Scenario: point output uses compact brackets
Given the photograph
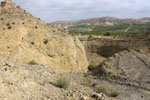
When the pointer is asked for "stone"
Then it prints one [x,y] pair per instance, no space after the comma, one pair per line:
[84,98]
[101,96]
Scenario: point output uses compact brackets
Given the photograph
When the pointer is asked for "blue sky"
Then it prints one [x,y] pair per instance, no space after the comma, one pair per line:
[56,10]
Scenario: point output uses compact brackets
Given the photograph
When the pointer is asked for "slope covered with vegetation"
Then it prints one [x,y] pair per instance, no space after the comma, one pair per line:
[121,29]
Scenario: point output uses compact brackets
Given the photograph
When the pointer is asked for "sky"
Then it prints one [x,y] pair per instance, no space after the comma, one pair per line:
[67,10]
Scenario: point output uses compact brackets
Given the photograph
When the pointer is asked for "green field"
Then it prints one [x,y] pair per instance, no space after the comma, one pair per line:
[122,29]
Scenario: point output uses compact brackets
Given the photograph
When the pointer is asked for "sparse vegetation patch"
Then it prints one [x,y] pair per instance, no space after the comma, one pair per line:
[101,89]
[62,82]
[114,94]
[91,67]
[32,62]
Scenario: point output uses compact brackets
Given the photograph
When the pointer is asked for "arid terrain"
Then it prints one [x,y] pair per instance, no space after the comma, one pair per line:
[122,62]
[41,62]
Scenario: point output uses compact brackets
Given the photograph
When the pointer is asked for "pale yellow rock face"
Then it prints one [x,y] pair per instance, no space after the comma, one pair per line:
[24,38]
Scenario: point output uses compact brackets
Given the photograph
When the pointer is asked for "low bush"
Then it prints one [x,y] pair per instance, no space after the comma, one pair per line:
[101,89]
[62,83]
[8,24]
[107,34]
[91,67]
[36,27]
[32,62]
[13,23]
[114,94]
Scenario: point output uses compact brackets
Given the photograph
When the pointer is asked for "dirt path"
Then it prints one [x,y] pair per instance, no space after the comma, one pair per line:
[128,28]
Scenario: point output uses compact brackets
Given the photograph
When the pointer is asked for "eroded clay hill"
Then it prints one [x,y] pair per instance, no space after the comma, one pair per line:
[25,38]
[100,47]
[124,61]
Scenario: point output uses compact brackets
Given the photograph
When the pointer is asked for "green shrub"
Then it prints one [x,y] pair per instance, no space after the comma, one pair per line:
[91,67]
[114,94]
[62,83]
[107,34]
[106,89]
[101,89]
[32,62]
[13,22]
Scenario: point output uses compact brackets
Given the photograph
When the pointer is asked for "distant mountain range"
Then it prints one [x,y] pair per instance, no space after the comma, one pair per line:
[100,21]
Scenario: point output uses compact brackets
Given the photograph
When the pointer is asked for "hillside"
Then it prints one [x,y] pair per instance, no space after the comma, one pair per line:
[25,38]
[40,62]
[20,81]
[100,21]
[104,25]
[121,63]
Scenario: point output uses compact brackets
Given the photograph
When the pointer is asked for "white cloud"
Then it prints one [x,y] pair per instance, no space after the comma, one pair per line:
[53,10]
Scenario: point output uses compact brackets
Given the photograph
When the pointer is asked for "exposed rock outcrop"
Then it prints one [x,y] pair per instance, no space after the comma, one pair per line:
[25,38]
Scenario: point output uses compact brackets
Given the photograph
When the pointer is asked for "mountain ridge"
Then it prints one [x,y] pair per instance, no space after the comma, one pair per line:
[100,21]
